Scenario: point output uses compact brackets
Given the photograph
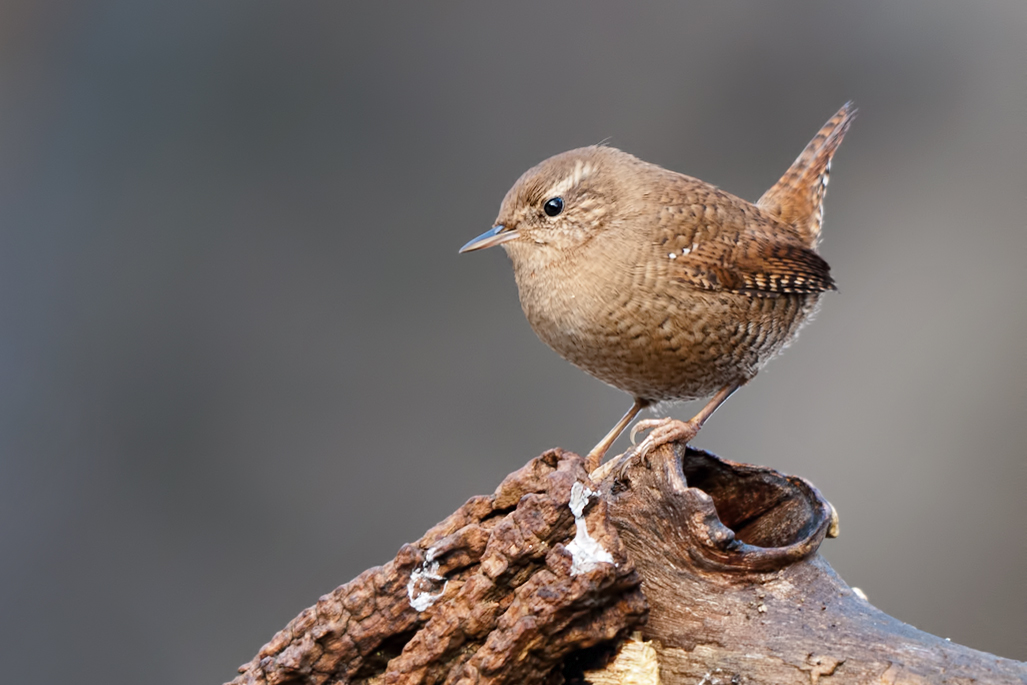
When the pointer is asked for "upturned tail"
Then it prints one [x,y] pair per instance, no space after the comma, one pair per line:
[798,198]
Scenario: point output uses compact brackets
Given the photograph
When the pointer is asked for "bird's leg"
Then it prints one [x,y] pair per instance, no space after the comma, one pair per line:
[667,430]
[596,455]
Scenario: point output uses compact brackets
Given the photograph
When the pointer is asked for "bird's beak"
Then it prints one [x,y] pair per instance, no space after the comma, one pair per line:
[496,235]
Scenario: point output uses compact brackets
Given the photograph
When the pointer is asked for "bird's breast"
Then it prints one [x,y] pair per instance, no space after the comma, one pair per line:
[570,306]
[656,342]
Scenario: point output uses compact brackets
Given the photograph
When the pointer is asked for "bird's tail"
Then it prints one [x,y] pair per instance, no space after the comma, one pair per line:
[798,198]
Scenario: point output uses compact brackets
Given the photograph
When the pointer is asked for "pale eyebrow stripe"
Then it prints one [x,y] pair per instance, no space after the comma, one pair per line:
[581,171]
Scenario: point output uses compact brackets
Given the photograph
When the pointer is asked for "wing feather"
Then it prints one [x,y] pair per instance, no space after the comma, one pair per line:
[714,241]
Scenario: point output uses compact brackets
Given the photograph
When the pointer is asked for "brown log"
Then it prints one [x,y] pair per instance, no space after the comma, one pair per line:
[681,568]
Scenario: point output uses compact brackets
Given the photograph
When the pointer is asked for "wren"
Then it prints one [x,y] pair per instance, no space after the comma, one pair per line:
[660,284]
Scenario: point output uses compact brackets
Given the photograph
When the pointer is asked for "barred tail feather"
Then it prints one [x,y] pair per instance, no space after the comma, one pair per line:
[798,198]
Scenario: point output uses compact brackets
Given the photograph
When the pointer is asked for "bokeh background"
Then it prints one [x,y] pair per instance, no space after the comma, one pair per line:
[241,360]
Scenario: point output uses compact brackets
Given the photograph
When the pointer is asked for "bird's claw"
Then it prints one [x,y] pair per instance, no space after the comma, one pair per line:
[644,425]
[661,432]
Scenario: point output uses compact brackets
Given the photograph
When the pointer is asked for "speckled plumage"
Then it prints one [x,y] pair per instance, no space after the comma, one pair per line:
[661,284]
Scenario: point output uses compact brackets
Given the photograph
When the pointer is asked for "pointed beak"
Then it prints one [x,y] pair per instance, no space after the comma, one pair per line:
[496,235]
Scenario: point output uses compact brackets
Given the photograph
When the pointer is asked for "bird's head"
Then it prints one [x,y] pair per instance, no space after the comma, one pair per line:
[558,206]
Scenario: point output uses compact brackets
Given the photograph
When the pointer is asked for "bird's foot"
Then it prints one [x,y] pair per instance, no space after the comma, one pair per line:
[662,431]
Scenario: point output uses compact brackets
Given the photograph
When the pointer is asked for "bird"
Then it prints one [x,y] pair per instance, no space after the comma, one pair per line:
[663,285]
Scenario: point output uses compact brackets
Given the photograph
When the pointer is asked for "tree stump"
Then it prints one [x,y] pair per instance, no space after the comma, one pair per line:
[680,568]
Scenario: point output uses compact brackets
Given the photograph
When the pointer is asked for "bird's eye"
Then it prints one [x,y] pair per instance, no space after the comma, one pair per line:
[553,206]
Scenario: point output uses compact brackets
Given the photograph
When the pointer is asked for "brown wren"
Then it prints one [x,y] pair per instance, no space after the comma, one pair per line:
[660,284]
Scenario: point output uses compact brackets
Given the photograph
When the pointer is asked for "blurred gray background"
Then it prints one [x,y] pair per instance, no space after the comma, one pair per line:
[241,361]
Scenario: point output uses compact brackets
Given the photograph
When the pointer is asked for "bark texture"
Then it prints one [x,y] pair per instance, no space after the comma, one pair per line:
[680,568]
[738,594]
[490,595]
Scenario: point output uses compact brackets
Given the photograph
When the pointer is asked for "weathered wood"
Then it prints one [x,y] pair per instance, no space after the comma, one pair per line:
[490,595]
[710,566]
[738,593]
